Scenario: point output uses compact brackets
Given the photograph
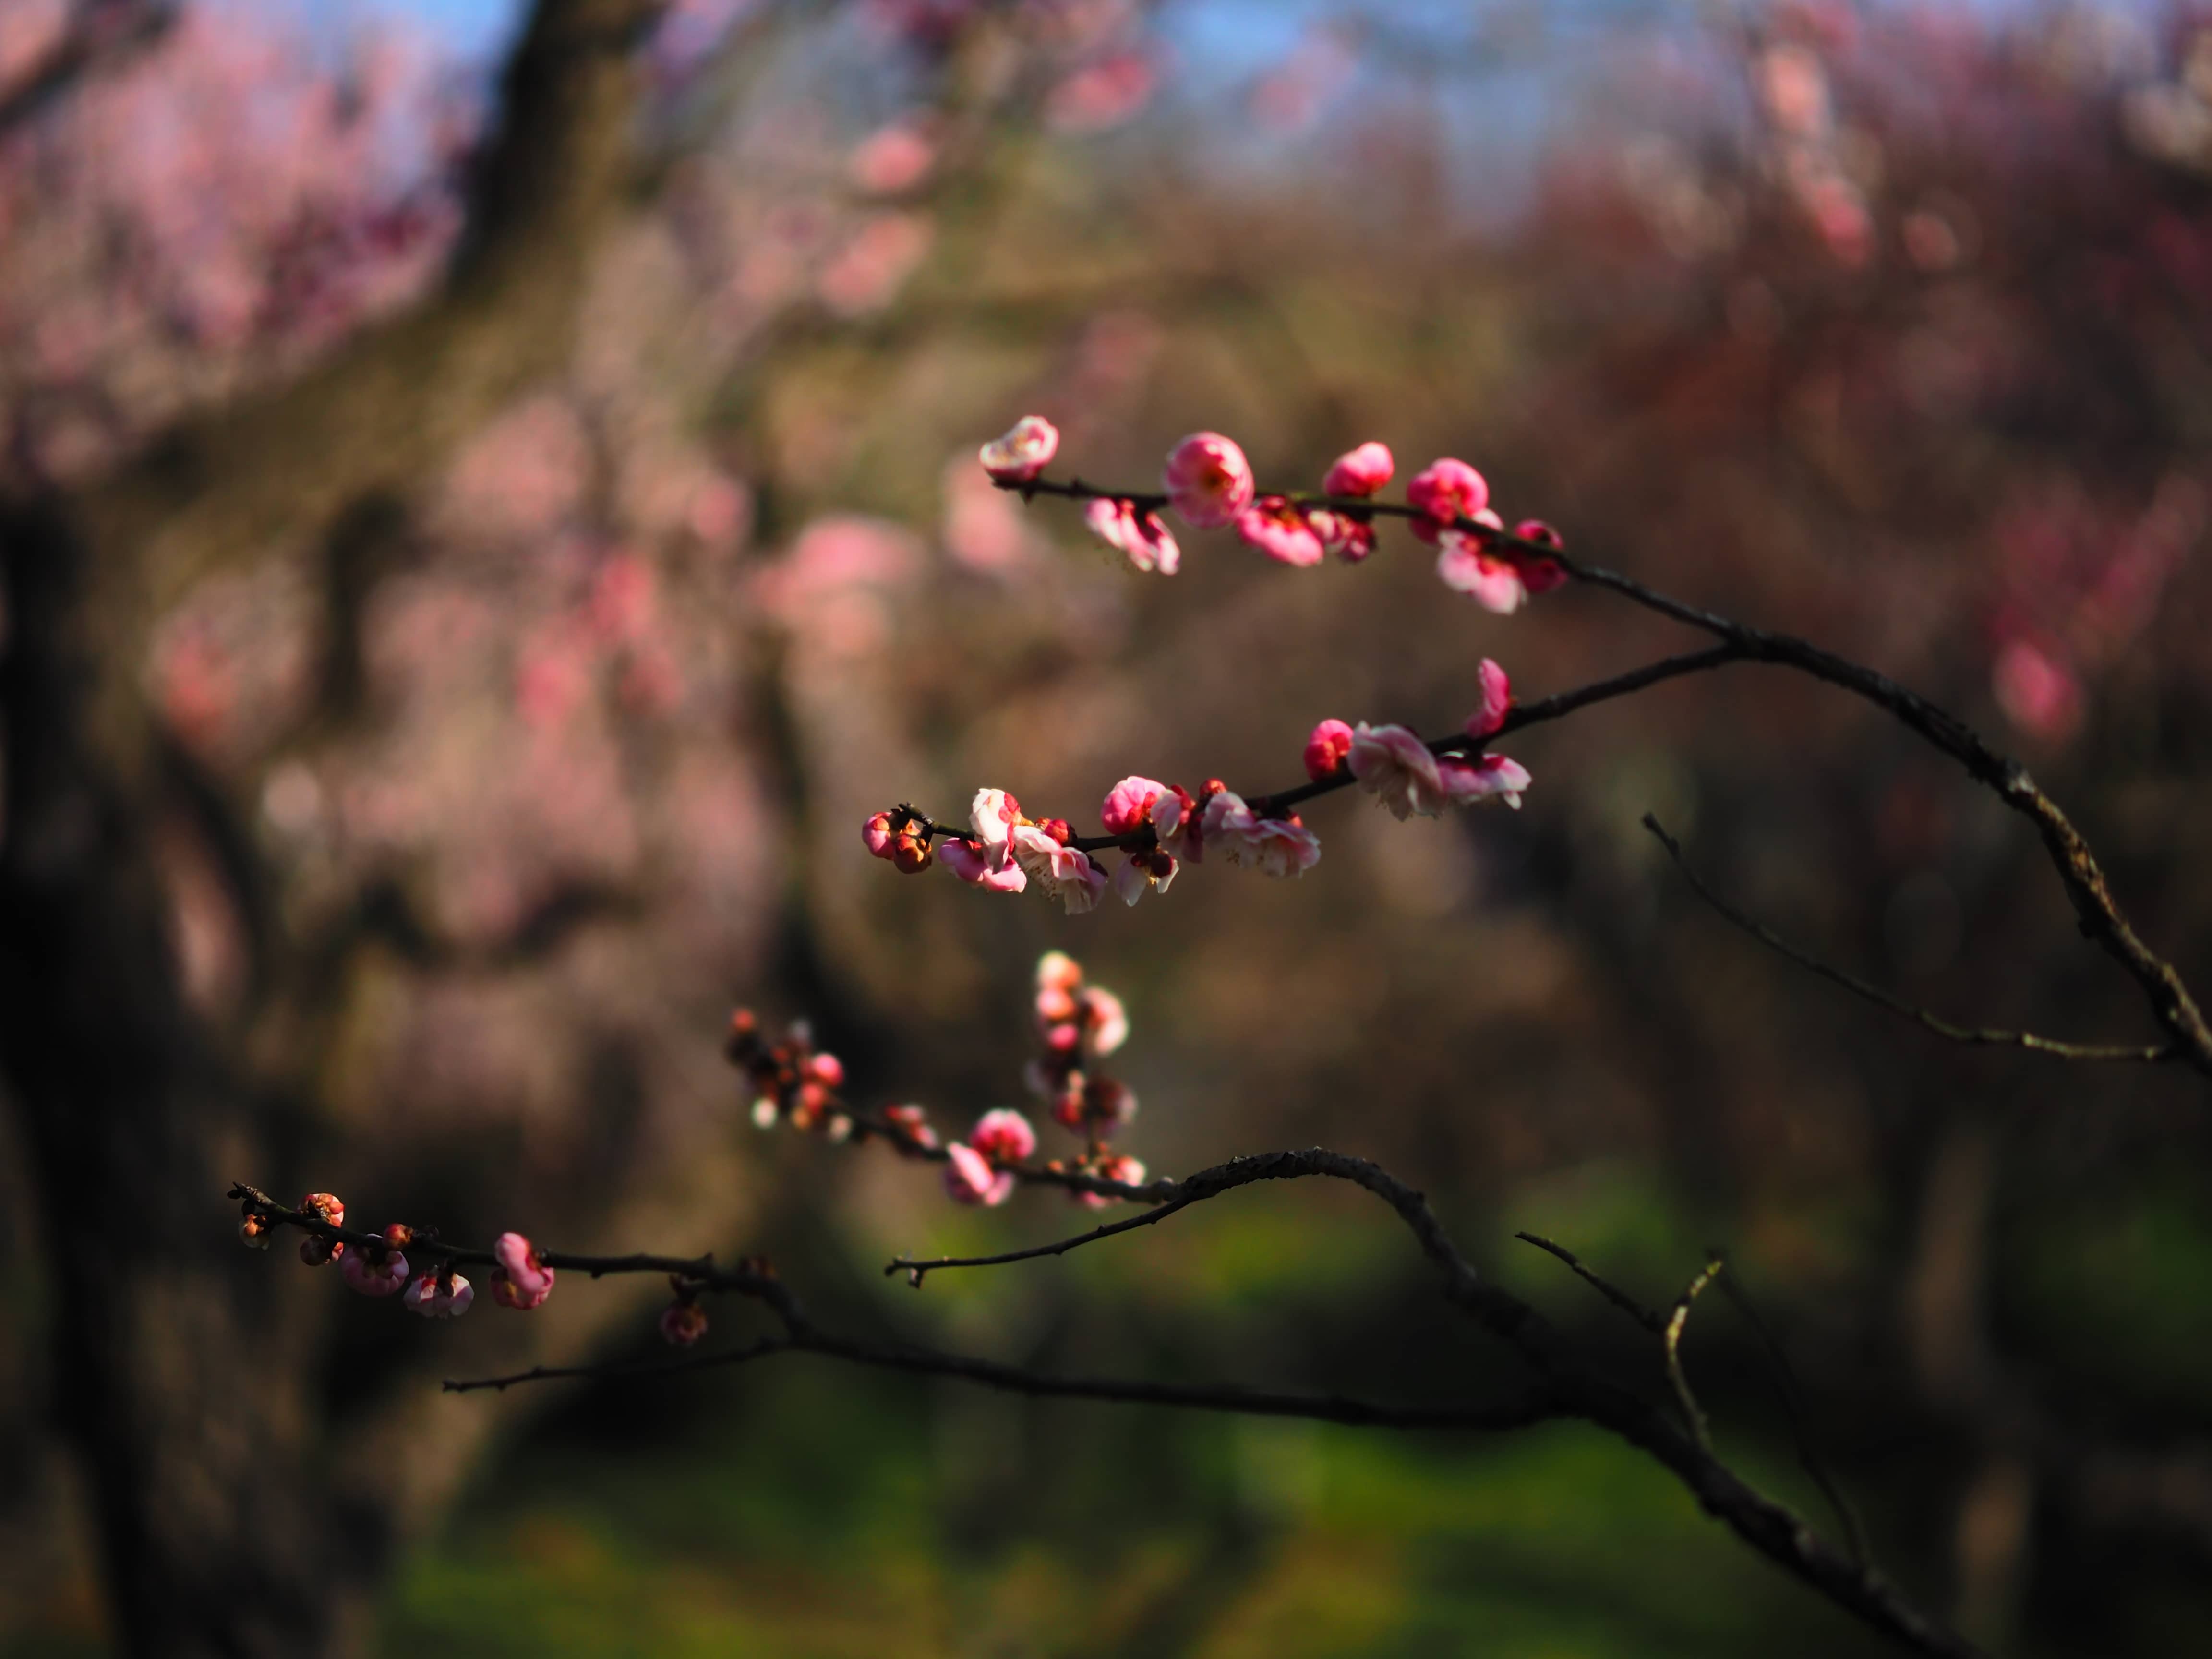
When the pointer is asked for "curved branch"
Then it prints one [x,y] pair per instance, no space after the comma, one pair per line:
[2083,878]
[1980,1037]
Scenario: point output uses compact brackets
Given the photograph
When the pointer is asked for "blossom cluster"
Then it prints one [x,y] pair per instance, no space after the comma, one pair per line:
[1159,827]
[791,1081]
[1209,482]
[380,1268]
[1078,1025]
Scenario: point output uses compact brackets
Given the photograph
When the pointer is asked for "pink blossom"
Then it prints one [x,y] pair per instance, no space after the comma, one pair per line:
[1066,874]
[1277,845]
[316,1250]
[1146,539]
[1280,530]
[1003,1136]
[374,1278]
[892,159]
[912,1121]
[1539,574]
[1326,748]
[520,1280]
[1125,1171]
[1446,490]
[1487,777]
[439,1296]
[1391,761]
[1143,872]
[683,1323]
[877,834]
[970,1179]
[1023,450]
[976,867]
[1129,804]
[827,1070]
[1208,480]
[1104,1019]
[1350,539]
[1492,580]
[1360,472]
[1056,970]
[2036,690]
[1496,700]
[1176,824]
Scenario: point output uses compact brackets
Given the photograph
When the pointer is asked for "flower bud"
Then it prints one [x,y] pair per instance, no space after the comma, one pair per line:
[683,1323]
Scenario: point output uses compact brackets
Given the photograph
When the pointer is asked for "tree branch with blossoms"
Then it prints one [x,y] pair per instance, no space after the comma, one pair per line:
[1157,828]
[1078,1025]
[1209,484]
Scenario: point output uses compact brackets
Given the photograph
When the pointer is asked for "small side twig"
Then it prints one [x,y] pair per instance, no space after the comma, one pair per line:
[2152,1054]
[915,1270]
[1628,1304]
[1700,1429]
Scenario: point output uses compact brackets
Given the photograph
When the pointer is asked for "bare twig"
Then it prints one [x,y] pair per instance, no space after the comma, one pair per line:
[1628,1304]
[916,1269]
[1700,1429]
[2154,1052]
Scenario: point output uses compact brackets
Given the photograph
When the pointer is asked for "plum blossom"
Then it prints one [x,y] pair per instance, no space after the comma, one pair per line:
[1326,750]
[969,1178]
[1280,847]
[1280,530]
[1445,491]
[1150,544]
[1105,1021]
[1350,536]
[520,1280]
[1003,1135]
[1065,872]
[900,837]
[1496,700]
[1491,577]
[1360,472]
[1175,823]
[1113,1167]
[911,1121]
[1024,450]
[379,1278]
[257,1232]
[1393,763]
[326,1207]
[683,1323]
[1129,804]
[1144,872]
[1539,574]
[1208,480]
[989,860]
[1484,778]
[439,1296]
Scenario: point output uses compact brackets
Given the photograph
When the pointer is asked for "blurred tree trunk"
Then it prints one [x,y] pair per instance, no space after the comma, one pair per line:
[224,1525]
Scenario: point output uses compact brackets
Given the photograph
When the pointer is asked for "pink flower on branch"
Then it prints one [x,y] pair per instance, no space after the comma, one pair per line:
[1003,1136]
[1144,872]
[1326,750]
[1129,804]
[1024,450]
[1394,764]
[1446,490]
[439,1296]
[1493,579]
[1207,480]
[520,1280]
[1497,701]
[1360,472]
[1065,872]
[378,1270]
[1281,532]
[969,1178]
[1127,1171]
[683,1323]
[1145,538]
[1279,847]
[1487,777]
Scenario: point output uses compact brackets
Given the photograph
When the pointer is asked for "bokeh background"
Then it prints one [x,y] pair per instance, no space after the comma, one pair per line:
[490,507]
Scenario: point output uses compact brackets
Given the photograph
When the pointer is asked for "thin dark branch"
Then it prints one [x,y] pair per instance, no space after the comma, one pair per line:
[915,1270]
[2078,872]
[2152,1054]
[1650,1320]
[1784,1378]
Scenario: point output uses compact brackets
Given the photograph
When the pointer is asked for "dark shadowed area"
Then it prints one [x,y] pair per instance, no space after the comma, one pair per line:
[489,506]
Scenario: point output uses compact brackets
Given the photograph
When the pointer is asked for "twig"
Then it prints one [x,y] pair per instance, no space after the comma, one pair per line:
[915,1270]
[1943,1028]
[1673,1336]
[1628,1304]
[1784,1378]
